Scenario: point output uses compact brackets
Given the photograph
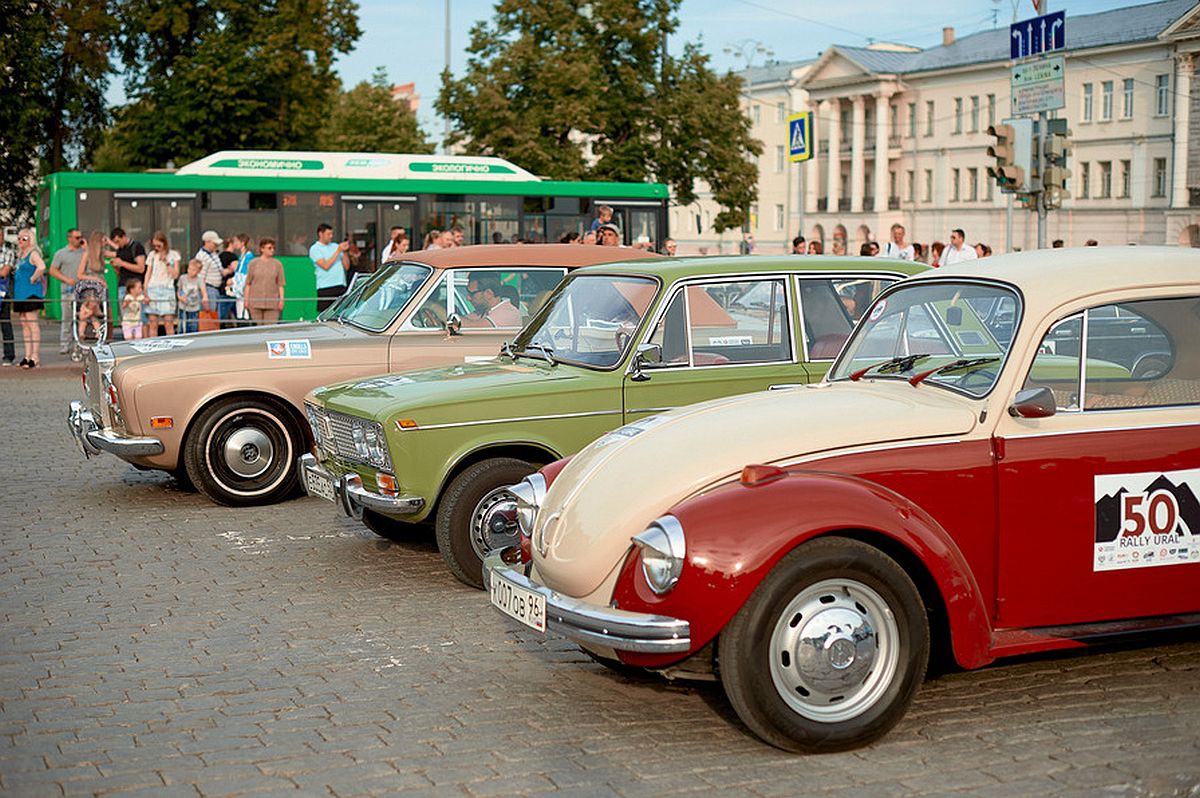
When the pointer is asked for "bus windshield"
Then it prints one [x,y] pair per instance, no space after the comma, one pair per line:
[373,303]
[589,320]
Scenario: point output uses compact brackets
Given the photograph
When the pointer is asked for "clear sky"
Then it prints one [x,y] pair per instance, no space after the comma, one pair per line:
[407,36]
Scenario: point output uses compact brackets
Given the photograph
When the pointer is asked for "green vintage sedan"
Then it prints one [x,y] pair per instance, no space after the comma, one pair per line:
[610,345]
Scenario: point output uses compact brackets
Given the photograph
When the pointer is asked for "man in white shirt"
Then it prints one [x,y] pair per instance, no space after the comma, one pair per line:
[958,251]
[897,247]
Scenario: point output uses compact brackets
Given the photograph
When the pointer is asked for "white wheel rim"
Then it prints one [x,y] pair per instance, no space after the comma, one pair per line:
[485,537]
[834,651]
[217,455]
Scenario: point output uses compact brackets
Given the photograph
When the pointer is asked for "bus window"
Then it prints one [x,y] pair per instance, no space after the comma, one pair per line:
[302,211]
[93,211]
[499,218]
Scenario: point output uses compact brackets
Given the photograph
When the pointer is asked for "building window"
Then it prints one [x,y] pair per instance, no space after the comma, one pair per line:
[1105,180]
[1106,100]
[1127,101]
[958,109]
[780,113]
[892,185]
[910,186]
[987,189]
[928,195]
[975,114]
[1160,177]
[756,113]
[1087,103]
[991,101]
[912,120]
[972,184]
[779,217]
[1125,168]
[1162,95]
[779,158]
[929,117]
[954,181]
[1085,180]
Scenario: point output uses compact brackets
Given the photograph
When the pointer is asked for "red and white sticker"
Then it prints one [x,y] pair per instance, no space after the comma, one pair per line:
[877,311]
[1147,520]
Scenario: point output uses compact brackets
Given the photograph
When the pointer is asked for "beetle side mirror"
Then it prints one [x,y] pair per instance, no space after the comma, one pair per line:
[1033,403]
[453,323]
[646,355]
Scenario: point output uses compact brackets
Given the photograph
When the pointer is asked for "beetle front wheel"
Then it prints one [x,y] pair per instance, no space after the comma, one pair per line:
[829,651]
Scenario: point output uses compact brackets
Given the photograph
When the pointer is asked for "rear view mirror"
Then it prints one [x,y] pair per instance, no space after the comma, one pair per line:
[453,323]
[646,355]
[1033,403]
[954,316]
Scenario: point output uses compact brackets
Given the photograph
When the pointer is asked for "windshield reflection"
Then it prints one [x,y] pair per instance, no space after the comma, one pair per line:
[372,303]
[589,320]
[956,335]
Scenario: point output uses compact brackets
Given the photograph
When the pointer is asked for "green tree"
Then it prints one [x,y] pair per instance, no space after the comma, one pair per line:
[583,90]
[367,119]
[206,75]
[23,112]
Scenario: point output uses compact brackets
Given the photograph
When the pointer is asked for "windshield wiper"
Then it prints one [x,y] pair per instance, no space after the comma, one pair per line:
[547,352]
[895,364]
[506,350]
[958,365]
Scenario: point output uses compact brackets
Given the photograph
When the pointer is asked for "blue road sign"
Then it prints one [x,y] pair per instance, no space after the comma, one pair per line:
[1043,34]
[800,136]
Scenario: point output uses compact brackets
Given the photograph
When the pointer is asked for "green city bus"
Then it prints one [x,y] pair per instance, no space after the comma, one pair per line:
[285,195]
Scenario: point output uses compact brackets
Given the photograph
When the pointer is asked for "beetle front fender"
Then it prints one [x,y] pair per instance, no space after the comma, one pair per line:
[736,534]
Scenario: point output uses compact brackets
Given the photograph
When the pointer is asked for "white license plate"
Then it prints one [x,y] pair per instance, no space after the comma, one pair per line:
[320,485]
[516,602]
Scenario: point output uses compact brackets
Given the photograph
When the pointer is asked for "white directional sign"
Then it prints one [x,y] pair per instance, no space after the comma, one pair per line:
[1038,86]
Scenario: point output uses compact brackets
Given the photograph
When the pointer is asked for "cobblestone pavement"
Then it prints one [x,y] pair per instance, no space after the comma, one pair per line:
[154,643]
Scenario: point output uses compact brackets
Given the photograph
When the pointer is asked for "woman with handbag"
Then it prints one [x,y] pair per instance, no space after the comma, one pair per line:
[29,294]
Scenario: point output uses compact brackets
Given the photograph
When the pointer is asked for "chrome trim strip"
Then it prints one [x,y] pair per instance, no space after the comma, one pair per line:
[352,497]
[619,630]
[508,420]
[1094,430]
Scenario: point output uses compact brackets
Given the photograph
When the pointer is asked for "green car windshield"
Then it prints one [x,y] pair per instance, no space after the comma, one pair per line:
[372,302]
[589,320]
[961,332]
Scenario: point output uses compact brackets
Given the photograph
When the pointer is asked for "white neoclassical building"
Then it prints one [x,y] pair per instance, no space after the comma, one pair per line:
[902,137]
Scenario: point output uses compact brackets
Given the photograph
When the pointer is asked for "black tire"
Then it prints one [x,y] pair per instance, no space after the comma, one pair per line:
[182,480]
[243,452]
[392,529]
[804,688]
[457,510]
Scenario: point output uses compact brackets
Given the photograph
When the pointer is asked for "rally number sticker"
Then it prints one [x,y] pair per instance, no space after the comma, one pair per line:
[1145,520]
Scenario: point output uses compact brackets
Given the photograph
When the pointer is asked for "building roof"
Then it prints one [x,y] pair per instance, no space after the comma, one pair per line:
[775,72]
[1120,26]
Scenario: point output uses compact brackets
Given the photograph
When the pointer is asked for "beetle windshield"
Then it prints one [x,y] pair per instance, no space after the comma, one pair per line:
[372,302]
[589,320]
[955,334]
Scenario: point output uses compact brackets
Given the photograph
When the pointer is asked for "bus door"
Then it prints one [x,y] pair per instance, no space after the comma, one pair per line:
[141,215]
[368,222]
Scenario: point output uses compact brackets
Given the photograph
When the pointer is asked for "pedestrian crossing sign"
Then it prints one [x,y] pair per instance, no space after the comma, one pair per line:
[800,136]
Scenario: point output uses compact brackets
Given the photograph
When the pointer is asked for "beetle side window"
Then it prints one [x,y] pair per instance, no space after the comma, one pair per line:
[1142,354]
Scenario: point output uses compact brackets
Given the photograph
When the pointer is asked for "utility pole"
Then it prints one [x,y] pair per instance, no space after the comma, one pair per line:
[1039,134]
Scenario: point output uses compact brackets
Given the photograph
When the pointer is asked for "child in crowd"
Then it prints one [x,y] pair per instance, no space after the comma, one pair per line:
[131,310]
[192,297]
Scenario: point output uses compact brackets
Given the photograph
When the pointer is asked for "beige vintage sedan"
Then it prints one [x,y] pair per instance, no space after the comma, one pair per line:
[223,410]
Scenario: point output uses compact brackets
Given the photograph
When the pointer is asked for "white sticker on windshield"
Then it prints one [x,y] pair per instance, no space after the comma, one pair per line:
[731,340]
[877,311]
[289,349]
[159,345]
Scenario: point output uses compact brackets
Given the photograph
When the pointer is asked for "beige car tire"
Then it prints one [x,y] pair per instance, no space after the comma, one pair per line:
[243,452]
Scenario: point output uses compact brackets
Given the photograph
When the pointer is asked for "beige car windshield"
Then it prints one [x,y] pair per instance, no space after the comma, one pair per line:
[372,303]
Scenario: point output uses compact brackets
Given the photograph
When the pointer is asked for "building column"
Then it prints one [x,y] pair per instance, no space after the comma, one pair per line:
[833,162]
[883,122]
[1184,66]
[858,158]
[810,170]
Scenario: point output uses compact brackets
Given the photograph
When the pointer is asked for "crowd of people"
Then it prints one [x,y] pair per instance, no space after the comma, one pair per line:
[898,247]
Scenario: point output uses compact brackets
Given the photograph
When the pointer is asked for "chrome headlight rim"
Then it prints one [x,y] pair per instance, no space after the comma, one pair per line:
[663,550]
[529,494]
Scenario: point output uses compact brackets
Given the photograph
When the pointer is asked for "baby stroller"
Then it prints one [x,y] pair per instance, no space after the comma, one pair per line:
[90,309]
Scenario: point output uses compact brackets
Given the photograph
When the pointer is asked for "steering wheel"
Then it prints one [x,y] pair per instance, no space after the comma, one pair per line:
[623,335]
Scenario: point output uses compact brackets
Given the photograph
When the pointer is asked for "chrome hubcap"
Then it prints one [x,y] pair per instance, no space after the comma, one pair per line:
[834,650]
[248,452]
[494,523]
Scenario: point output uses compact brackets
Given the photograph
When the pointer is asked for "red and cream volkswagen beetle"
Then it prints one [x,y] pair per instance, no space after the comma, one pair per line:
[1004,459]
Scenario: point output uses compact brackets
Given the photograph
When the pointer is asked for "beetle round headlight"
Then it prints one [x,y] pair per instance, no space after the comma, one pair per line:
[662,549]
[529,494]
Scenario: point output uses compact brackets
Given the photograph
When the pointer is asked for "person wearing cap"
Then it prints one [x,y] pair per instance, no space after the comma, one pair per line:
[608,235]
[210,267]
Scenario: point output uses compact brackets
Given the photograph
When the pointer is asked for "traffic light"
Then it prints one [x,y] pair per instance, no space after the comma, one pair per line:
[1012,151]
[1056,147]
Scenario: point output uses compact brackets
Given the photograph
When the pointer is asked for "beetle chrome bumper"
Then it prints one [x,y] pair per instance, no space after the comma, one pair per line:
[92,439]
[348,493]
[601,626]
